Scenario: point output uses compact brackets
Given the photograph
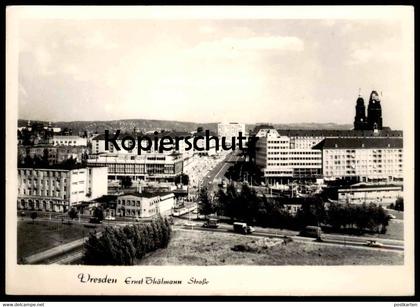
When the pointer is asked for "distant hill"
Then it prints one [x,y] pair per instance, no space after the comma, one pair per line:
[128,125]
[308,126]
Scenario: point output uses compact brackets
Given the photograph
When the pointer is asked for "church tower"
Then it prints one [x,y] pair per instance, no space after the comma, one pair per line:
[374,117]
[360,122]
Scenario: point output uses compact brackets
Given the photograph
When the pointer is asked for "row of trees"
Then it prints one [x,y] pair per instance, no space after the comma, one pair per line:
[361,217]
[245,171]
[247,206]
[122,246]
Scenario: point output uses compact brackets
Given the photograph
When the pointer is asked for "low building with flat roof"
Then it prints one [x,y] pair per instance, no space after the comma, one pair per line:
[145,204]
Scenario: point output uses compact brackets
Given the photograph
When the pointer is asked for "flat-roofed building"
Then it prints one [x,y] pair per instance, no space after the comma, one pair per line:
[145,204]
[292,154]
[50,189]
[384,194]
[280,162]
[367,159]
[155,167]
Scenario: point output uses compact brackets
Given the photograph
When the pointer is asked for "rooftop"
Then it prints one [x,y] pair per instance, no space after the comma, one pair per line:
[341,133]
[106,198]
[147,194]
[366,142]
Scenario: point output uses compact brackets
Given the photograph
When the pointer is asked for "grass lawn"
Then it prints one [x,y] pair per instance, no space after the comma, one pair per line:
[394,231]
[42,235]
[207,248]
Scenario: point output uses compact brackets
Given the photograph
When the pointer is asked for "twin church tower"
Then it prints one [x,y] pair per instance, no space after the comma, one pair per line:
[373,121]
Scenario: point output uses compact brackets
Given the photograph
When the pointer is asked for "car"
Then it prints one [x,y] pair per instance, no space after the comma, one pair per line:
[373,243]
[311,232]
[391,216]
[211,223]
[22,213]
[110,218]
[189,224]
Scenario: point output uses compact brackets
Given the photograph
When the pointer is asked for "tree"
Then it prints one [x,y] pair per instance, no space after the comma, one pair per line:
[98,213]
[126,182]
[399,204]
[45,162]
[73,214]
[249,202]
[34,215]
[184,179]
[206,206]
[231,202]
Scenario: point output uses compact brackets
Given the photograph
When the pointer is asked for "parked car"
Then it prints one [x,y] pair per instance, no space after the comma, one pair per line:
[373,243]
[189,224]
[243,228]
[391,216]
[110,218]
[23,213]
[211,223]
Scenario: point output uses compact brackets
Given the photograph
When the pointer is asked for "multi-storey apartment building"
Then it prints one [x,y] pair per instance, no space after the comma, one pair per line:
[56,190]
[367,159]
[159,167]
[280,161]
[292,154]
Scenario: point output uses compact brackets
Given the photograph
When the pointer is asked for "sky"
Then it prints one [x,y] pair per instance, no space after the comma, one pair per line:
[211,70]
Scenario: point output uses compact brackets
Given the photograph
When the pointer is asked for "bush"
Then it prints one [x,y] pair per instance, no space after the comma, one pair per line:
[122,246]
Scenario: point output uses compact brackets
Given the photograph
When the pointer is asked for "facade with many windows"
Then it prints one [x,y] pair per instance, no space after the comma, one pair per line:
[163,167]
[59,189]
[292,154]
[145,204]
[367,159]
[281,161]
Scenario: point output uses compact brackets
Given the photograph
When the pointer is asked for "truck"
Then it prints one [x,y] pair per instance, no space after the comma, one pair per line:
[312,232]
[211,223]
[242,228]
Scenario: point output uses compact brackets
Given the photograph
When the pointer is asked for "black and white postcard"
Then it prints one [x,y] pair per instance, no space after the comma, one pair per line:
[210,150]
